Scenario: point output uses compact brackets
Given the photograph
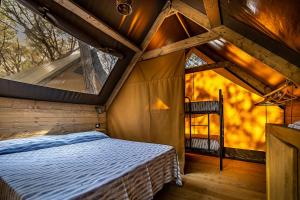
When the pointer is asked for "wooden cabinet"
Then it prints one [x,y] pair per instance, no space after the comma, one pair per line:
[283,163]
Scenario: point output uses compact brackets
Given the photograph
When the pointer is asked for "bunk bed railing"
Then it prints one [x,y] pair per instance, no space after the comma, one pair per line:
[221,129]
[207,107]
[190,118]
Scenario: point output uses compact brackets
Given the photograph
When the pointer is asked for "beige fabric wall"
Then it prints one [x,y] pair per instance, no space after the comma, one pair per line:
[149,107]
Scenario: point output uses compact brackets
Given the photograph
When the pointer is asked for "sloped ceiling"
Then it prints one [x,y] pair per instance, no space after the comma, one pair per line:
[169,32]
[274,24]
[271,24]
[135,26]
[254,67]
[197,4]
[172,31]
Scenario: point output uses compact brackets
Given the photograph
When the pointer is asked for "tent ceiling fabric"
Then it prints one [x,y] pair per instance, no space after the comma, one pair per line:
[280,34]
[193,28]
[164,36]
[249,64]
[273,25]
[134,26]
[197,4]
[254,67]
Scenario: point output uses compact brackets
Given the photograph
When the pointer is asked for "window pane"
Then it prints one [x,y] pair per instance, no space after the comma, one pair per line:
[33,51]
[194,61]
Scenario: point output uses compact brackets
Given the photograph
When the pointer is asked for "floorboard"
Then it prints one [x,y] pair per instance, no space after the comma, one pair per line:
[239,180]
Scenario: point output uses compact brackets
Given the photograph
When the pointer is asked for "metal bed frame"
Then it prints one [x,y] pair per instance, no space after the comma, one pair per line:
[207,107]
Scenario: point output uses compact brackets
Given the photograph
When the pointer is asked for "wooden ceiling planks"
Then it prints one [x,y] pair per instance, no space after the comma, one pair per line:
[134,26]
[289,70]
[246,80]
[209,21]
[159,20]
[96,22]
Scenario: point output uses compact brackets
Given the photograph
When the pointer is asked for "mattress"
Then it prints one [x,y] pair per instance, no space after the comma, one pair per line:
[200,142]
[97,168]
[202,106]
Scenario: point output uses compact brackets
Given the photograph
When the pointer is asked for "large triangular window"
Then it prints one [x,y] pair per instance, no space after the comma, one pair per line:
[34,51]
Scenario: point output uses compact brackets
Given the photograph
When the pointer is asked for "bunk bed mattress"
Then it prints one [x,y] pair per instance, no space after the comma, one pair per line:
[101,169]
[200,142]
[202,106]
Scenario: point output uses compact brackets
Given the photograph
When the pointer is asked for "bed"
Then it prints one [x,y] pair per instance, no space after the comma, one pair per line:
[87,165]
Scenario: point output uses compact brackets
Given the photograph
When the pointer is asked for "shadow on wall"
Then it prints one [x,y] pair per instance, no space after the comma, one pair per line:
[244,122]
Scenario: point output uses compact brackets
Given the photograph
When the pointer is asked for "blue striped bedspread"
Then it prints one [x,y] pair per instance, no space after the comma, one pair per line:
[96,167]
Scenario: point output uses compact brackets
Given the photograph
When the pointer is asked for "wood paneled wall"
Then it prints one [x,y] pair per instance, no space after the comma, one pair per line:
[283,164]
[26,118]
[292,109]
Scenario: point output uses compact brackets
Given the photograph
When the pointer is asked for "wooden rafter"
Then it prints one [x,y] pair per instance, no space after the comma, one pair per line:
[233,69]
[183,44]
[248,79]
[284,67]
[211,66]
[183,24]
[274,61]
[97,23]
[201,55]
[212,12]
[191,13]
[167,11]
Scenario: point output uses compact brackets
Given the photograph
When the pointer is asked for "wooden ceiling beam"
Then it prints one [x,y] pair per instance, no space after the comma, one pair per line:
[249,79]
[166,12]
[183,44]
[212,12]
[211,66]
[97,23]
[259,87]
[191,13]
[289,70]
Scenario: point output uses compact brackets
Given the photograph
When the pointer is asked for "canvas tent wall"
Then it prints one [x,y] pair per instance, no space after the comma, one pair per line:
[149,106]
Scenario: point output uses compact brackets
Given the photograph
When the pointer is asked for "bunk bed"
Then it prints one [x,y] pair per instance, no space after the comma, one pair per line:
[200,142]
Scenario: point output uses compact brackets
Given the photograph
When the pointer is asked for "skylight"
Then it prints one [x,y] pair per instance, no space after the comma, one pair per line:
[194,61]
[33,51]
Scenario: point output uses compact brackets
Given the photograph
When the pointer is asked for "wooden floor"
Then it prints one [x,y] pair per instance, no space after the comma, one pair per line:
[239,180]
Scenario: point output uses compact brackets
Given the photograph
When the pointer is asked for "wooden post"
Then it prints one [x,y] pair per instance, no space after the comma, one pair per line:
[221,129]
